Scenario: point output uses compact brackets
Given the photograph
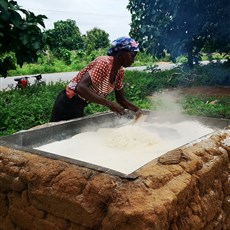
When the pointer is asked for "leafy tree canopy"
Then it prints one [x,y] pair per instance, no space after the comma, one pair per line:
[20,33]
[65,35]
[96,39]
[181,26]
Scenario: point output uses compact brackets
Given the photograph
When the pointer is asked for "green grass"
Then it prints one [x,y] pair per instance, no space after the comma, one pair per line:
[50,64]
[218,106]
[23,109]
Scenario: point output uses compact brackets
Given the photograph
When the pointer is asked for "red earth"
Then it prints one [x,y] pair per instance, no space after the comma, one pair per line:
[208,90]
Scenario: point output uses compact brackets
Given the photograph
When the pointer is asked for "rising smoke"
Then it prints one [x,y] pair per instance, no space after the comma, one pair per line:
[168,108]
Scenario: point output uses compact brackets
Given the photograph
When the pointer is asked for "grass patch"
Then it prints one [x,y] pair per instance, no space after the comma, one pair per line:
[24,109]
[210,106]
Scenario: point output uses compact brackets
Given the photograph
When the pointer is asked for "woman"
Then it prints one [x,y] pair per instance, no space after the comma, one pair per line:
[94,82]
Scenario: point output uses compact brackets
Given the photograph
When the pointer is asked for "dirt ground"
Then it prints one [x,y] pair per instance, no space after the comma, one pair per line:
[207,90]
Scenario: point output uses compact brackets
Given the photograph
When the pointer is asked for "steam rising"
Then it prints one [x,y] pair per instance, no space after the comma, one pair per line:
[168,109]
[131,145]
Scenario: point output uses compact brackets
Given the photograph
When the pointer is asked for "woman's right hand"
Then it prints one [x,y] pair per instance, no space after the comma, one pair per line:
[117,108]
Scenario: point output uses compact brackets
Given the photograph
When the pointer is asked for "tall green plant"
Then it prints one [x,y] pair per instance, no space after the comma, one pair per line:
[96,39]
[181,26]
[65,35]
[20,33]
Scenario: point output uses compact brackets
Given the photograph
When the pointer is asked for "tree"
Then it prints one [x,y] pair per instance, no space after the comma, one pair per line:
[65,35]
[181,26]
[96,39]
[20,34]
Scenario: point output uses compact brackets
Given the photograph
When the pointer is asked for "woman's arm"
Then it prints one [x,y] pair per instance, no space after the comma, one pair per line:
[83,89]
[119,94]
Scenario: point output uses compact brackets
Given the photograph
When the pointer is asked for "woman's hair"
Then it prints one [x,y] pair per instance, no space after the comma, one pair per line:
[123,43]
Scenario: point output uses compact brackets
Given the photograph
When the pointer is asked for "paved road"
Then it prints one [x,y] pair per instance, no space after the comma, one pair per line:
[66,76]
[49,77]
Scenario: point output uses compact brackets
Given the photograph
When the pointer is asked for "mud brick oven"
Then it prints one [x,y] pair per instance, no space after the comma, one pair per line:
[186,188]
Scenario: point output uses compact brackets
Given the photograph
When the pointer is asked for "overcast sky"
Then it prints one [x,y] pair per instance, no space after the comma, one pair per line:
[109,15]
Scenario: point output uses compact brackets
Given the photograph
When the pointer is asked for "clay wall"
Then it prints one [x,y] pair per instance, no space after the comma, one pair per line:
[188,188]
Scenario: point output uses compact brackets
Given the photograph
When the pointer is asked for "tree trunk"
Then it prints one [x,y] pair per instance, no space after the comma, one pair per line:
[190,58]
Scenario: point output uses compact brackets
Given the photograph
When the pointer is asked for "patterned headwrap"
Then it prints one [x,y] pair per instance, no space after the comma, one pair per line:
[123,43]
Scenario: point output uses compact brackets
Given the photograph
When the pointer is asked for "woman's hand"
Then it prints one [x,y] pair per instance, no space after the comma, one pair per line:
[138,114]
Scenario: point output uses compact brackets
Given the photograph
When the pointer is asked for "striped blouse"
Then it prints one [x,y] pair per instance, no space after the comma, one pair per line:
[99,71]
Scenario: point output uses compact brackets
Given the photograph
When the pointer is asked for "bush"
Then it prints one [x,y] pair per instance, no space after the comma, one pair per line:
[23,109]
[210,106]
[209,75]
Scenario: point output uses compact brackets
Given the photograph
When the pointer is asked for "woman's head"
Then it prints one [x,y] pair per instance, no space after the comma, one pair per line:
[123,43]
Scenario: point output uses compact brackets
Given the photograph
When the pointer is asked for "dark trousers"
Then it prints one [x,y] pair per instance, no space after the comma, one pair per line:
[65,108]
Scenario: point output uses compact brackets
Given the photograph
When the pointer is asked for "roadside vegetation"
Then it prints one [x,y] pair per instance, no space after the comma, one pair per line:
[23,109]
[74,62]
